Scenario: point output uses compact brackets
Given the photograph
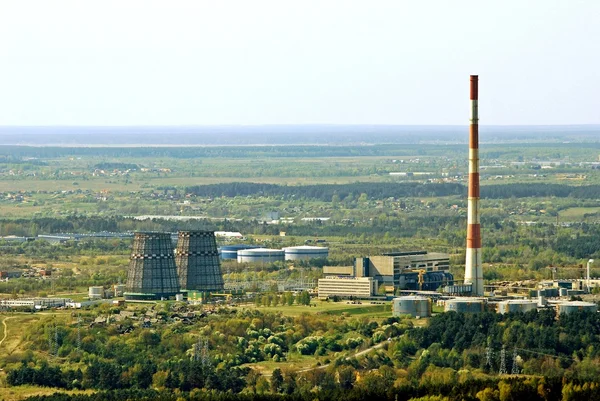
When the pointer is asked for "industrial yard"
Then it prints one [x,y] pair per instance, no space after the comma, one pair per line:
[450,269]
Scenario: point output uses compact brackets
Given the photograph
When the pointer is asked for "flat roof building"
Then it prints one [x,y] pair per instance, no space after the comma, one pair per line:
[346,287]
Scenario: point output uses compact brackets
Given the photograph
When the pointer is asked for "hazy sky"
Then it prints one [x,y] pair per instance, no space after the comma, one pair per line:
[129,62]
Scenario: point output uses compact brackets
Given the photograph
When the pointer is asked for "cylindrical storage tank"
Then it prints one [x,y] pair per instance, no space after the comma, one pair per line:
[516,305]
[563,292]
[179,297]
[96,292]
[260,255]
[306,252]
[231,251]
[119,290]
[574,306]
[412,305]
[465,305]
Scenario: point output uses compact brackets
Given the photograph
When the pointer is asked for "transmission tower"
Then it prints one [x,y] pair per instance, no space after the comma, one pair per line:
[197,351]
[205,356]
[78,333]
[503,361]
[515,368]
[488,357]
[55,340]
[50,339]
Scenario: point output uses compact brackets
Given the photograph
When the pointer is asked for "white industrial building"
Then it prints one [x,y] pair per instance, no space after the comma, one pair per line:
[34,303]
[346,287]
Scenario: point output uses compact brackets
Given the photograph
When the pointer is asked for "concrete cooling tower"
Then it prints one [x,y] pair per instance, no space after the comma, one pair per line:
[198,263]
[152,273]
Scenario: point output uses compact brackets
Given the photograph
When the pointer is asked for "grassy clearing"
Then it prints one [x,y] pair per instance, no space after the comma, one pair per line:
[295,362]
[17,325]
[23,392]
[372,310]
[577,213]
[330,308]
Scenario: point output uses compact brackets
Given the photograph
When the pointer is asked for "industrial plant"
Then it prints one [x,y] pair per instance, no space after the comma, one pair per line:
[416,281]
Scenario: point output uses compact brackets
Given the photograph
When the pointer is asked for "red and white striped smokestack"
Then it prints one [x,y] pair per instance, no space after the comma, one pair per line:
[473,267]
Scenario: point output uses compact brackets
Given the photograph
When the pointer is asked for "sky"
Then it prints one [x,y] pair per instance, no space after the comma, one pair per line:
[196,62]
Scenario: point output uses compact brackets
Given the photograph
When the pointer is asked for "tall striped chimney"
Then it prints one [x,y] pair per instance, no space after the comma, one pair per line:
[473,268]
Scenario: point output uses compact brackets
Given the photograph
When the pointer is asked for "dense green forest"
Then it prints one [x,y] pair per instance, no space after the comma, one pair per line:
[457,356]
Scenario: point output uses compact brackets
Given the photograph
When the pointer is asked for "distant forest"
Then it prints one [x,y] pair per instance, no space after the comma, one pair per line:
[286,134]
[326,192]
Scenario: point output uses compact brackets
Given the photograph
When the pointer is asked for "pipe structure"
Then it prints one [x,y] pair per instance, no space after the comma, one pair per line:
[473,266]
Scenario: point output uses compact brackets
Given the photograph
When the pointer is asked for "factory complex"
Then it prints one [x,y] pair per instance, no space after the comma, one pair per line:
[415,281]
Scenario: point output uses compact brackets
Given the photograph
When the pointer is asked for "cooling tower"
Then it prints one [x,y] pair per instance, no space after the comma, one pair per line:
[152,272]
[198,263]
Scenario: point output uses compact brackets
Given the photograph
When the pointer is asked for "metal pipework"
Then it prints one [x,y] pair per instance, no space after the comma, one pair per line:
[473,265]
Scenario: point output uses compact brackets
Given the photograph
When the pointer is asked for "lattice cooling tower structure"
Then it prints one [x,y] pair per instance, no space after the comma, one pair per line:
[152,271]
[198,263]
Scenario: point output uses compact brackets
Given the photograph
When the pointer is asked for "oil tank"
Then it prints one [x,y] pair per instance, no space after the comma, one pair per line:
[412,305]
[574,306]
[465,305]
[231,251]
[306,252]
[260,255]
[119,289]
[516,305]
[152,273]
[197,260]
[96,292]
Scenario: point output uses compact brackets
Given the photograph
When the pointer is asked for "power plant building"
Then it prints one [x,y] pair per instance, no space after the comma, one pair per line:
[152,272]
[417,270]
[347,287]
[197,260]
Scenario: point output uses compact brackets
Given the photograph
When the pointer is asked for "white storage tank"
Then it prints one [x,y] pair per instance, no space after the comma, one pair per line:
[465,305]
[574,306]
[411,305]
[260,255]
[96,292]
[306,252]
[119,290]
[516,305]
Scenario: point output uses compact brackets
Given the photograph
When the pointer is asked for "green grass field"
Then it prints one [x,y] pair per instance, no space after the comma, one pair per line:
[331,308]
[577,213]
